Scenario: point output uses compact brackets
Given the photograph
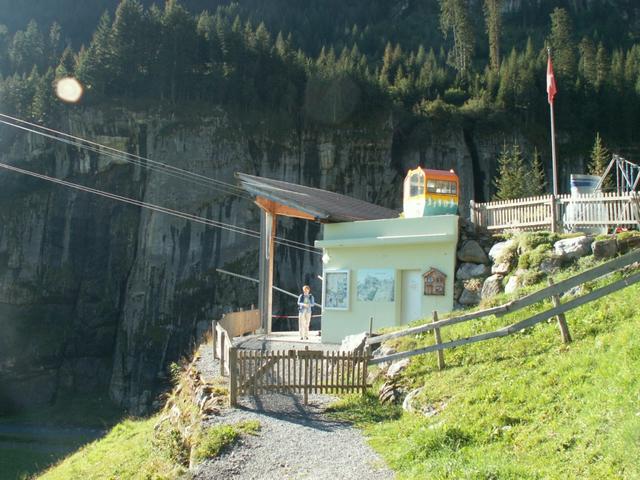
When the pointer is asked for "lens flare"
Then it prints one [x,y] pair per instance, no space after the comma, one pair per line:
[69,90]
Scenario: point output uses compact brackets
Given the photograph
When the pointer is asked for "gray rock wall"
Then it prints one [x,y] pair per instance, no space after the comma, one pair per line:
[97,295]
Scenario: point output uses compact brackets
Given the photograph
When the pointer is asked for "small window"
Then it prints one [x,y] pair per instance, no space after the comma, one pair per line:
[416,186]
[441,186]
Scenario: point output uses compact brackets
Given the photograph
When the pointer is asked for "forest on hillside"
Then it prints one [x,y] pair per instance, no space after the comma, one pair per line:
[331,62]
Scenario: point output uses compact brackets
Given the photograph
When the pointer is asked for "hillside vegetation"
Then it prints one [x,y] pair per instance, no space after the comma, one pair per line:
[520,407]
[449,61]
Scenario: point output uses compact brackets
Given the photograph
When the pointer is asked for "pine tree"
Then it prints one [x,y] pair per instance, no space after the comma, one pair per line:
[95,65]
[43,103]
[454,18]
[67,63]
[562,46]
[587,65]
[27,49]
[537,180]
[599,162]
[493,21]
[55,46]
[511,181]
[177,49]
[602,65]
[129,42]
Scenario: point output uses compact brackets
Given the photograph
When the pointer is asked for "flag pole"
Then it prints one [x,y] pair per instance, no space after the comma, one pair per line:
[553,128]
[553,154]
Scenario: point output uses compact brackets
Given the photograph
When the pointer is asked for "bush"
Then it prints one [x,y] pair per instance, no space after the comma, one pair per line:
[531,259]
[214,440]
[530,240]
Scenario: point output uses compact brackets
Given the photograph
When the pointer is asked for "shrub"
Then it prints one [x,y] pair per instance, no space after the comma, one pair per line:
[530,240]
[531,259]
[214,440]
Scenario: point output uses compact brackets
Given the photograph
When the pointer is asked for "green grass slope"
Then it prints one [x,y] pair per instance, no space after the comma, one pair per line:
[521,407]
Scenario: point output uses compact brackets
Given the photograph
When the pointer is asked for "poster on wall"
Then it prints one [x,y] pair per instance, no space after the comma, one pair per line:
[336,290]
[376,285]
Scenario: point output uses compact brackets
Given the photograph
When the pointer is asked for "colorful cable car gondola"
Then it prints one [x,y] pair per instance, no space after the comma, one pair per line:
[430,192]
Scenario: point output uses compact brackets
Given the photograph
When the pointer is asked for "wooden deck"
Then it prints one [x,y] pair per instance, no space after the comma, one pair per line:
[283,341]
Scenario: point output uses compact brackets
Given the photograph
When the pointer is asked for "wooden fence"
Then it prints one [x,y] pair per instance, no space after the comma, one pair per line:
[221,346]
[553,291]
[229,326]
[253,372]
[548,212]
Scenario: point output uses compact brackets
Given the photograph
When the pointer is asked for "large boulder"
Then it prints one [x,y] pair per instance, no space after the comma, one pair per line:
[512,284]
[550,264]
[472,252]
[354,343]
[604,248]
[501,268]
[629,243]
[498,250]
[396,368]
[571,248]
[467,271]
[492,286]
[471,293]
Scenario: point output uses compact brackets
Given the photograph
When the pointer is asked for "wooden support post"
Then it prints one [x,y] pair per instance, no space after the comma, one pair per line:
[370,325]
[233,376]
[271,260]
[306,376]
[440,353]
[562,321]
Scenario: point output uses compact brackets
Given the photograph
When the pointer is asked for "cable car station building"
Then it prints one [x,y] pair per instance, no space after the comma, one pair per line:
[376,263]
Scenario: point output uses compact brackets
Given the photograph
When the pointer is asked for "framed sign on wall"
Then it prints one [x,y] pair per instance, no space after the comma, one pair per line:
[336,289]
[434,282]
[376,285]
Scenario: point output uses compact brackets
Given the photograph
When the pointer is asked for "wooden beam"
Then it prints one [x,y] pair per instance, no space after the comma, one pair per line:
[557,289]
[516,327]
[270,263]
[276,208]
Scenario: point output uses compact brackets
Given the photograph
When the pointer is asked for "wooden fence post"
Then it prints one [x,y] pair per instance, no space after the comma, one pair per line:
[214,336]
[233,376]
[370,325]
[440,353]
[472,213]
[562,321]
[554,214]
[366,354]
[222,355]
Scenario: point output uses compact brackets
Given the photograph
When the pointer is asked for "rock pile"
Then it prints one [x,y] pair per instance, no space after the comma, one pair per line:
[487,268]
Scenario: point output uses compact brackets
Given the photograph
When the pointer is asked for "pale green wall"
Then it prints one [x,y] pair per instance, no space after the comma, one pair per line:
[407,250]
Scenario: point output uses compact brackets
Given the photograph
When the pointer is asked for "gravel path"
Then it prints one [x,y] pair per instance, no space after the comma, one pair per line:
[295,441]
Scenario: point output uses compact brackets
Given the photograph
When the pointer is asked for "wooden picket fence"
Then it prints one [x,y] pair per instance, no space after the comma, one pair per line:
[553,291]
[254,372]
[561,212]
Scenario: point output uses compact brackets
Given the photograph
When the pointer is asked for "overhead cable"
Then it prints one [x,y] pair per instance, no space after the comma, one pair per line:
[150,206]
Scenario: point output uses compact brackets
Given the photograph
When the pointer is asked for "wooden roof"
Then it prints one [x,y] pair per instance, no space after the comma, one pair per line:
[289,199]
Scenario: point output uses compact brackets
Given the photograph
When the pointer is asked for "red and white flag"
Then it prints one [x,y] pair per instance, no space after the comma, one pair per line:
[551,82]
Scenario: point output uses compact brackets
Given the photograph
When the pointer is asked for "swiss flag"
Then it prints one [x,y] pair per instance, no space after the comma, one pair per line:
[551,81]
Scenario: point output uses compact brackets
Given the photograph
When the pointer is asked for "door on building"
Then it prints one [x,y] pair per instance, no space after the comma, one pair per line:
[411,296]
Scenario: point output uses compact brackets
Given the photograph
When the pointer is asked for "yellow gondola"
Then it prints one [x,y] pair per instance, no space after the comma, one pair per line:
[430,192]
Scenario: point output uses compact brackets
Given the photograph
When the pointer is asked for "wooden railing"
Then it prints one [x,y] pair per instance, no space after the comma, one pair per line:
[566,211]
[229,326]
[553,291]
[221,346]
[253,372]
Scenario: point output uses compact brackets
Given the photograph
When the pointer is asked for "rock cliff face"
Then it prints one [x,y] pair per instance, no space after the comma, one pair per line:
[97,295]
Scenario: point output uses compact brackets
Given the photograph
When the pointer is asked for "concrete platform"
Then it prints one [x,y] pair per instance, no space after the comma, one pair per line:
[283,341]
